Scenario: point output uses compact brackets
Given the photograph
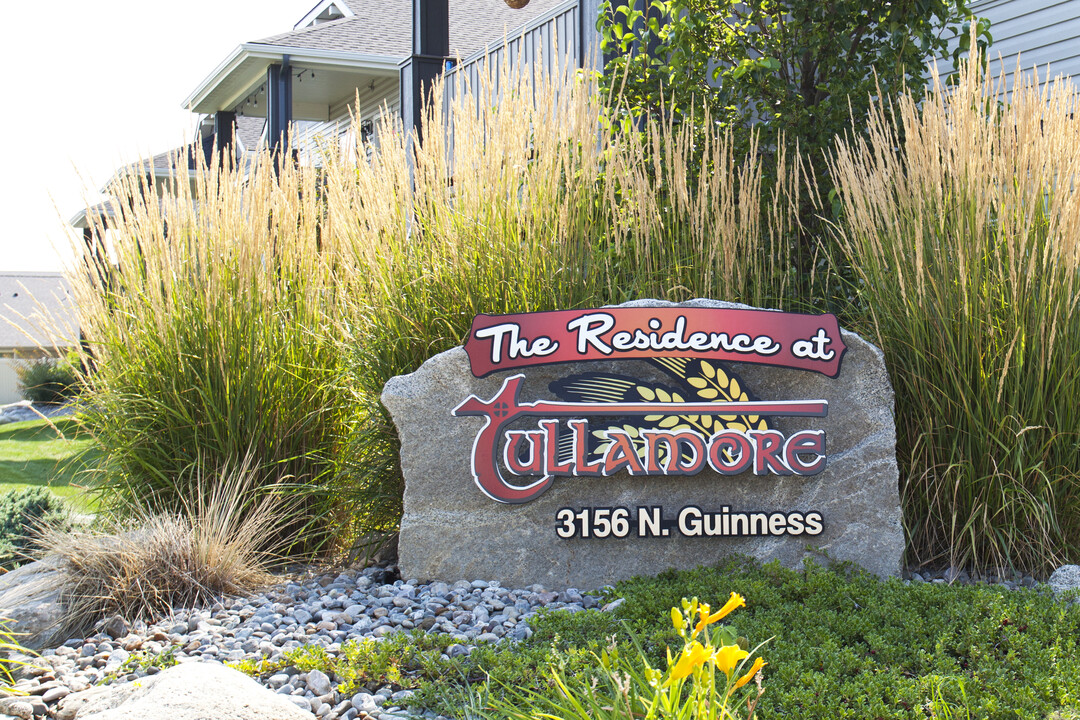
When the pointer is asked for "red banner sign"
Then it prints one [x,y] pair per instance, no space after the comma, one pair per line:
[765,337]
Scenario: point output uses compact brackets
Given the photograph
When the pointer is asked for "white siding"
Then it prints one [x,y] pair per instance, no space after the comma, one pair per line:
[9,382]
[373,97]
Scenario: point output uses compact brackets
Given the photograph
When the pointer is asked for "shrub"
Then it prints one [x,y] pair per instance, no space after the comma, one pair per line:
[219,543]
[959,219]
[23,515]
[48,380]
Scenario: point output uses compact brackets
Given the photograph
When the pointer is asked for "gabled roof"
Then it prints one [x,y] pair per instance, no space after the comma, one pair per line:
[394,37]
[372,41]
[33,302]
[249,131]
[384,27]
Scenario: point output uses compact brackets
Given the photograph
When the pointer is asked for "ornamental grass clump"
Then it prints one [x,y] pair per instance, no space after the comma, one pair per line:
[705,680]
[209,337]
[523,198]
[961,218]
[243,306]
[220,542]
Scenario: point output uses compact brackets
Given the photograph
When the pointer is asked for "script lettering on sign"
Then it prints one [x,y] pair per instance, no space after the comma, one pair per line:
[607,423]
[506,342]
[682,452]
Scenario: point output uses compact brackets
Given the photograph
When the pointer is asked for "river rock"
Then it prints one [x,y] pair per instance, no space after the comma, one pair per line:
[1065,578]
[450,530]
[191,691]
[30,598]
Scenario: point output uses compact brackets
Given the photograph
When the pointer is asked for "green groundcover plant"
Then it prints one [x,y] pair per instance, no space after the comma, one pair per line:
[840,643]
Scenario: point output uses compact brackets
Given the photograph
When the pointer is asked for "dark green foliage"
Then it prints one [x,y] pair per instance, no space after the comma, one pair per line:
[49,380]
[844,644]
[785,78]
[847,645]
[841,644]
[797,68]
[23,511]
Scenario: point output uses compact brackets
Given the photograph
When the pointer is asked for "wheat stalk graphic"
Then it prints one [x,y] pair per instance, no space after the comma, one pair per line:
[699,379]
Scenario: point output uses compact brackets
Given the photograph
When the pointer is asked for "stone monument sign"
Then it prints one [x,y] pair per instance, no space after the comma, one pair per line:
[579,447]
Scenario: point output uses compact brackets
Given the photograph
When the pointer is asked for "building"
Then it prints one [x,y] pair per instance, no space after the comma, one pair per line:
[37,320]
[346,57]
[364,56]
[1044,34]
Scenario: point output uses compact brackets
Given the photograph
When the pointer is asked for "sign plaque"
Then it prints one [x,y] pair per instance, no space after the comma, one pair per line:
[578,447]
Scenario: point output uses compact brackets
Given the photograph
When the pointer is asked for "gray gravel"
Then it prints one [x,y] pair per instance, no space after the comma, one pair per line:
[325,610]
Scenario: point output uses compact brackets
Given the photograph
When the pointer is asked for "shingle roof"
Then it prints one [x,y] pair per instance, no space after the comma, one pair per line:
[29,300]
[384,27]
[354,34]
[249,130]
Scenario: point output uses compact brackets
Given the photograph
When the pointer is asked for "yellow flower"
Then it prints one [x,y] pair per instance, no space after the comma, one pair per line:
[677,619]
[758,664]
[735,601]
[727,657]
[693,656]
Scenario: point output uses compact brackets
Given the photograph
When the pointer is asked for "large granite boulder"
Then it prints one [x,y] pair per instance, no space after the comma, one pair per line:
[1066,578]
[191,691]
[451,530]
[30,599]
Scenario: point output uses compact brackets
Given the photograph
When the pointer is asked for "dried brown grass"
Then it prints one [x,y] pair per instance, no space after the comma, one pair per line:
[154,562]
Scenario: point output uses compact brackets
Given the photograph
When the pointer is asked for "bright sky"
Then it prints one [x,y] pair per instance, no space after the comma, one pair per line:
[89,86]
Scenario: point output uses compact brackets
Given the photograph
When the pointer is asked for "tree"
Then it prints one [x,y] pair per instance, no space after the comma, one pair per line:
[778,71]
[792,65]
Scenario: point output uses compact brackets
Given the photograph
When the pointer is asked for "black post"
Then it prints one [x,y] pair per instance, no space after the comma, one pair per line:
[207,148]
[278,102]
[97,263]
[224,133]
[431,48]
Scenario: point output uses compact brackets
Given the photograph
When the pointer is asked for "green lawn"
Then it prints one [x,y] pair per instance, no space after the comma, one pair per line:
[37,452]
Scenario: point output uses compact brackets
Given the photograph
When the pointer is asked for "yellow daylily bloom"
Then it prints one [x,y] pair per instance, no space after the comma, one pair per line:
[677,619]
[758,664]
[734,602]
[693,656]
[727,657]
[703,611]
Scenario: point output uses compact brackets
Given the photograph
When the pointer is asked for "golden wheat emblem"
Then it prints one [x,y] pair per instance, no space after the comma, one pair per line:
[697,379]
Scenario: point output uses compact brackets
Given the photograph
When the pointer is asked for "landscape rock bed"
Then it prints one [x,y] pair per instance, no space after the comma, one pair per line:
[327,610]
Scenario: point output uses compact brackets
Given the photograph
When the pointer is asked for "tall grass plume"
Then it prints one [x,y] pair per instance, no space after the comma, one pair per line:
[961,221]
